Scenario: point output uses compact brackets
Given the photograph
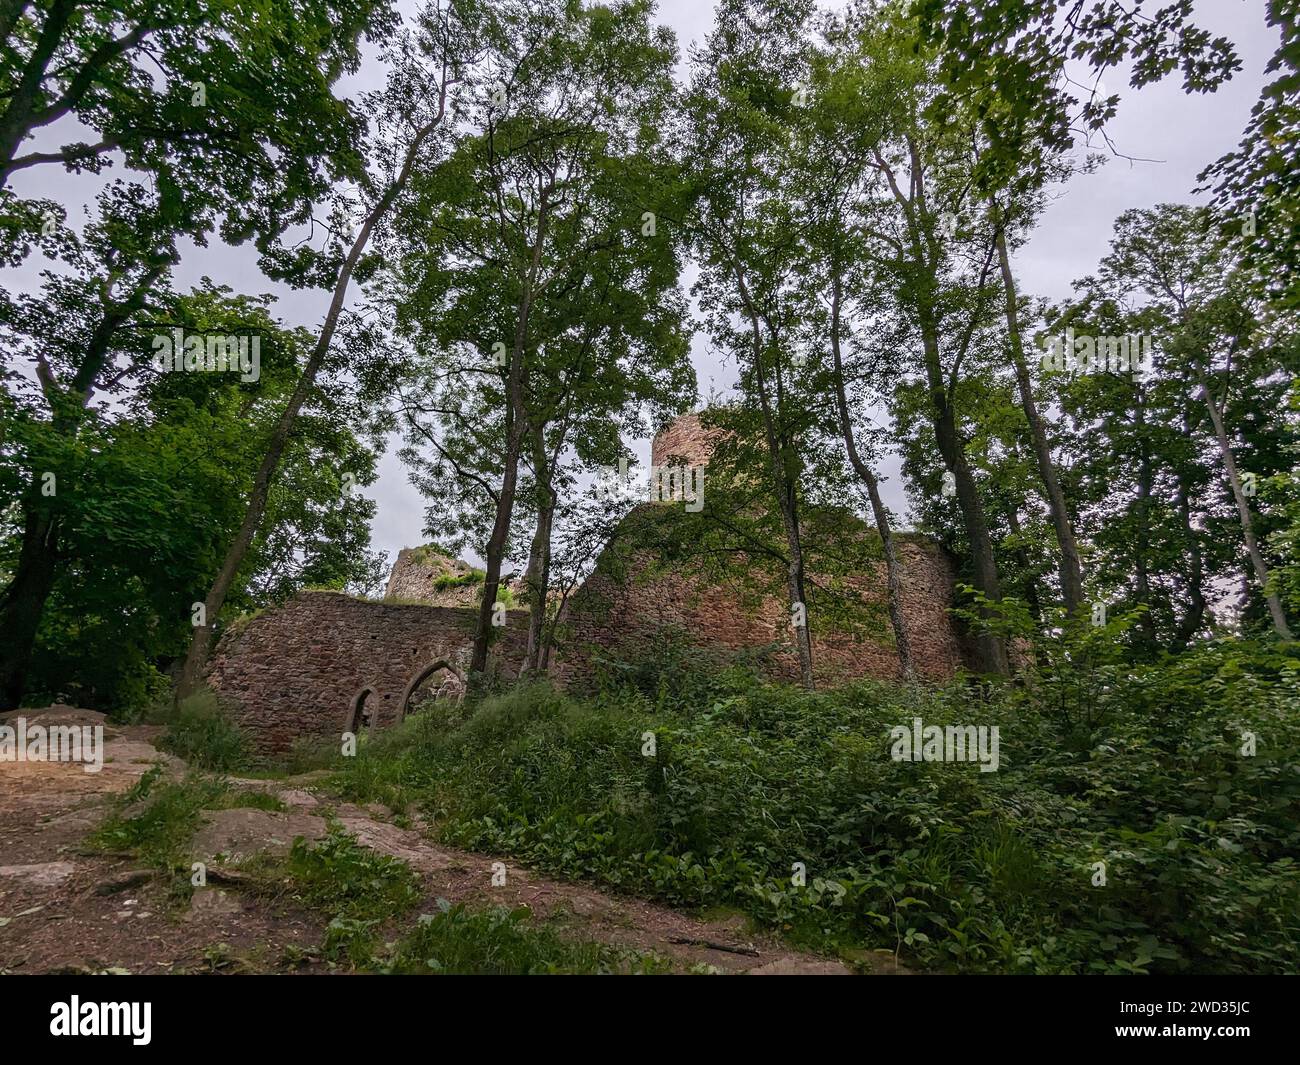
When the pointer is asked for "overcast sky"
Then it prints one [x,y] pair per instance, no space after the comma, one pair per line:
[1180,133]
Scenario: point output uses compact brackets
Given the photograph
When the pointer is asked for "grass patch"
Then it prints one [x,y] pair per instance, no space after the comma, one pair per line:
[956,869]
[200,731]
[340,877]
[247,800]
[504,942]
[356,888]
[447,581]
[155,820]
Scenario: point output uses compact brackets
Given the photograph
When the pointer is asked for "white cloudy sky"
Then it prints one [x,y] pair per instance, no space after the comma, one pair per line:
[1180,133]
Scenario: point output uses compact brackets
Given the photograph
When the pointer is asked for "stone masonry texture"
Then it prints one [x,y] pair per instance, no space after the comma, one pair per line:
[294,672]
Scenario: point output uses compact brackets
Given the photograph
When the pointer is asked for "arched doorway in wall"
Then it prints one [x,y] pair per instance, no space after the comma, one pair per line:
[362,712]
[437,681]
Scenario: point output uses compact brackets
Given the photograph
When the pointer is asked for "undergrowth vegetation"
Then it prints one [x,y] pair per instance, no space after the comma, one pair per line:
[200,731]
[505,942]
[1126,830]
[367,898]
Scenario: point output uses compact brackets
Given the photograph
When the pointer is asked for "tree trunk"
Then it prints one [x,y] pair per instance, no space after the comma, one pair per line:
[1243,511]
[786,484]
[795,587]
[1070,570]
[537,579]
[516,424]
[197,656]
[495,552]
[893,573]
[1147,620]
[23,602]
[992,652]
[989,648]
[1195,615]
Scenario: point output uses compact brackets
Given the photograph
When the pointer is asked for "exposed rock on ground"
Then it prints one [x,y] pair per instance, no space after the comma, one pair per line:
[64,907]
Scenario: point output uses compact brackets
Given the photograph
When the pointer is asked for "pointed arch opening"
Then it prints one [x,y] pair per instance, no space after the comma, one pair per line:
[438,680]
[363,711]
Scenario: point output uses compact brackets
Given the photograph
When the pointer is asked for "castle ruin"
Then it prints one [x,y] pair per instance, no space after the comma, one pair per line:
[325,663]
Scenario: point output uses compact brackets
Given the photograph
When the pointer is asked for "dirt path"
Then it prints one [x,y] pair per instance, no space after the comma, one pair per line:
[65,908]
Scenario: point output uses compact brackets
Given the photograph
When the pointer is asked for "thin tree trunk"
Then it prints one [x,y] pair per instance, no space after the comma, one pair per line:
[516,424]
[200,641]
[893,573]
[1026,564]
[538,576]
[1031,585]
[1140,550]
[786,485]
[1070,570]
[23,603]
[1243,511]
[990,650]
[494,554]
[1195,615]
[992,653]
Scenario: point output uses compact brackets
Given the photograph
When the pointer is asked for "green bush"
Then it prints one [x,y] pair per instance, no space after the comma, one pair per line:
[201,732]
[498,941]
[955,868]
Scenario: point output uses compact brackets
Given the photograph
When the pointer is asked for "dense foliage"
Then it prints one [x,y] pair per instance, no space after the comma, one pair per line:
[951,867]
[501,231]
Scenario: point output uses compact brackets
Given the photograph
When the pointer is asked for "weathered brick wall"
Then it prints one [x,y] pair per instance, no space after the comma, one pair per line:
[618,617]
[684,438]
[294,671]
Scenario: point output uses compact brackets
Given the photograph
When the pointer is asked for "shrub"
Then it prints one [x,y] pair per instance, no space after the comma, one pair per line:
[201,732]
[957,868]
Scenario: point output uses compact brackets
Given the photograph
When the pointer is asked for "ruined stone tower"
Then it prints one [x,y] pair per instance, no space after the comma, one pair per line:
[622,607]
[426,575]
[325,663]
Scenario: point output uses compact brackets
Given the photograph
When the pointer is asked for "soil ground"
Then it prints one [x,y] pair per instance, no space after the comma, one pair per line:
[66,908]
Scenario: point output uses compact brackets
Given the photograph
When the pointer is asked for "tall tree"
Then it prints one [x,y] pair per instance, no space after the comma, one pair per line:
[830,164]
[149,489]
[748,81]
[426,66]
[1218,348]
[925,236]
[535,269]
[240,134]
[116,267]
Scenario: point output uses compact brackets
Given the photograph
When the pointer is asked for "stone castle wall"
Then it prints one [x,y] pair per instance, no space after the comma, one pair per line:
[296,671]
[613,615]
[619,617]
